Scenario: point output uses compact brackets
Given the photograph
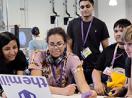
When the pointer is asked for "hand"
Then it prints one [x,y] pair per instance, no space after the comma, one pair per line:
[115,91]
[89,94]
[69,90]
[4,95]
[99,88]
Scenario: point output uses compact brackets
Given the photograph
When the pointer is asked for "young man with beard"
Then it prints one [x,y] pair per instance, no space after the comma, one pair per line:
[87,33]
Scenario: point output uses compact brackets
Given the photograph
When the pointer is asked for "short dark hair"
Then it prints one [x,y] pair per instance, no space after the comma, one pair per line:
[5,38]
[57,30]
[122,23]
[35,31]
[91,1]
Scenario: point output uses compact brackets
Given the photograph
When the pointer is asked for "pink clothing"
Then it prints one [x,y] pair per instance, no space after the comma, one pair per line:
[57,75]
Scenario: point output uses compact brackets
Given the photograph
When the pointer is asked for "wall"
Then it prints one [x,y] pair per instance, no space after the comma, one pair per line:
[129,9]
[29,13]
[110,14]
[38,12]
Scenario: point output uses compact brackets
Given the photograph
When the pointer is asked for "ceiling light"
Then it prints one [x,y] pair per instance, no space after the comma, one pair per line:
[113,3]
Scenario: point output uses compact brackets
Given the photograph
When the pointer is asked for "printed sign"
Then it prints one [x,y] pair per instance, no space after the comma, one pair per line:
[18,86]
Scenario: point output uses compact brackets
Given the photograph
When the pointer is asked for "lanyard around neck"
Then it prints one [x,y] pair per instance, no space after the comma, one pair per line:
[54,71]
[61,66]
[84,39]
[114,56]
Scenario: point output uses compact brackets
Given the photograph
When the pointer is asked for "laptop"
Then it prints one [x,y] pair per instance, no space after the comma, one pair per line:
[20,86]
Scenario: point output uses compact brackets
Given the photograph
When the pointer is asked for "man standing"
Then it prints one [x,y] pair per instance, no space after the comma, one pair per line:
[87,32]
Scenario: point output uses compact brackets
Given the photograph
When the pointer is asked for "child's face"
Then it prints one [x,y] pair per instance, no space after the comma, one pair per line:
[118,32]
[128,48]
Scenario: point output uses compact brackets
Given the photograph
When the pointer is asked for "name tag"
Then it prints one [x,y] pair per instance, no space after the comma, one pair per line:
[86,52]
[107,71]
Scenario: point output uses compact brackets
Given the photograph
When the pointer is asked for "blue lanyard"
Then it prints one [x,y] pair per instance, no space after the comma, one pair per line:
[85,39]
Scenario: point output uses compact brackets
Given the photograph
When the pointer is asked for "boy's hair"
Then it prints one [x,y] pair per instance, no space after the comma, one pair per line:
[123,23]
[91,1]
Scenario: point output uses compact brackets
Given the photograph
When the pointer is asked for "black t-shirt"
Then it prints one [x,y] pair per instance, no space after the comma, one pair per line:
[98,32]
[128,67]
[20,63]
[106,57]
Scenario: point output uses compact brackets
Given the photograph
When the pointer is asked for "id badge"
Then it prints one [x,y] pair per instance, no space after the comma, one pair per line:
[107,71]
[86,52]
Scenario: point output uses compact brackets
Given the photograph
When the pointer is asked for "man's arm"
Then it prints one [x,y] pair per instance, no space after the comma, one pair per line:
[98,85]
[105,43]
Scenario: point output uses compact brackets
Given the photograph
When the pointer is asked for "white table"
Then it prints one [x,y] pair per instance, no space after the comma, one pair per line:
[73,96]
